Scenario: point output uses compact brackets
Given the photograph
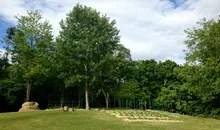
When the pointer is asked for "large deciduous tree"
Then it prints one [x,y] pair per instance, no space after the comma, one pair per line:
[113,70]
[30,46]
[86,39]
[203,53]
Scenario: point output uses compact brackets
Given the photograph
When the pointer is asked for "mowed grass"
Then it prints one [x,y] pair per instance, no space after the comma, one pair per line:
[95,120]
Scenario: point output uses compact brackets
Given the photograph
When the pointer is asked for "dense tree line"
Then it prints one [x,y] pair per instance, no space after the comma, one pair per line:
[87,66]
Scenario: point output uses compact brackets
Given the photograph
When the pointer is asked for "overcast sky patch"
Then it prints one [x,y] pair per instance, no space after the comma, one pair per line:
[151,29]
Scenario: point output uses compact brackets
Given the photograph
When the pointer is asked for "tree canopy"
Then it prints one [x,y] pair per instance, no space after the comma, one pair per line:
[87,66]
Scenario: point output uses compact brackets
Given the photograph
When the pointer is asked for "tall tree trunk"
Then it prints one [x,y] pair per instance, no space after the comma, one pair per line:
[145,105]
[134,104]
[28,90]
[106,102]
[61,98]
[86,90]
[87,97]
[79,99]
[149,101]
[92,101]
[106,98]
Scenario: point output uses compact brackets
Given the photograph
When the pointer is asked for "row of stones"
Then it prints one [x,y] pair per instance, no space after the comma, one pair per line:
[142,116]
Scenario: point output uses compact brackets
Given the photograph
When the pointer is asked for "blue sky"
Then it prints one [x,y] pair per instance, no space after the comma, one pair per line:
[177,3]
[149,28]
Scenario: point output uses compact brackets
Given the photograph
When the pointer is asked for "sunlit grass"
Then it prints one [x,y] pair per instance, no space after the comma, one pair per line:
[97,120]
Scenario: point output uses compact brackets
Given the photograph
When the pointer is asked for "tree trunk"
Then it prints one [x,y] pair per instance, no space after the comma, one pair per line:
[107,100]
[28,90]
[145,105]
[134,104]
[92,101]
[149,102]
[61,98]
[87,97]
[86,90]
[79,99]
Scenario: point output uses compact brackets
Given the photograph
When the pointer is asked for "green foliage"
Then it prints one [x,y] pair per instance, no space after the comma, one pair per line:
[30,46]
[3,67]
[203,53]
[86,44]
[87,55]
[203,42]
[86,39]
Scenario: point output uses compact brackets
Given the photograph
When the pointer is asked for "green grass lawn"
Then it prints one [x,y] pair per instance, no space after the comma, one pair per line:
[95,120]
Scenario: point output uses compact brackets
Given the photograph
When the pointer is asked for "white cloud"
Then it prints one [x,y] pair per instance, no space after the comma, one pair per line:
[149,28]
[2,52]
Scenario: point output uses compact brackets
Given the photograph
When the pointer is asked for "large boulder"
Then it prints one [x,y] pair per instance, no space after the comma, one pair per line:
[29,106]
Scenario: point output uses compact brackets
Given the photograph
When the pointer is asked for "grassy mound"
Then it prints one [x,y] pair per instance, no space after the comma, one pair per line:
[96,120]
